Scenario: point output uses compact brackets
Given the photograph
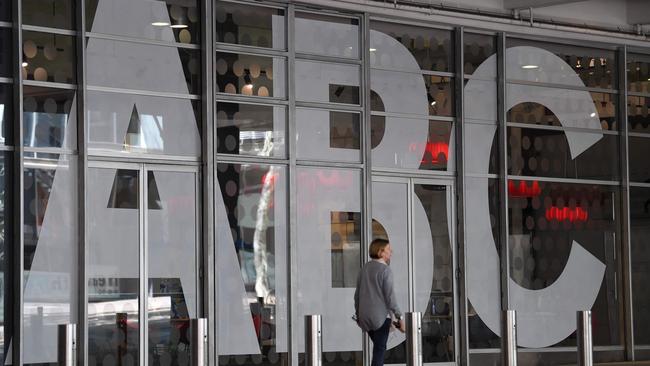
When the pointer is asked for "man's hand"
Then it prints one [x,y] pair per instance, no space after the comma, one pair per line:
[402,327]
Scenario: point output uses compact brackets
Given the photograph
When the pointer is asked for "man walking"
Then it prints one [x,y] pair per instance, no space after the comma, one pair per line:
[375,301]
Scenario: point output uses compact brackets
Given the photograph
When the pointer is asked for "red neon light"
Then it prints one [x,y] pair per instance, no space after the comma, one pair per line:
[268,178]
[435,150]
[522,190]
[566,214]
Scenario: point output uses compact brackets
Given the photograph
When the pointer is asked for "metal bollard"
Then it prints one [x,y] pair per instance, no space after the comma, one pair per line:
[313,341]
[585,341]
[67,344]
[199,341]
[413,323]
[508,338]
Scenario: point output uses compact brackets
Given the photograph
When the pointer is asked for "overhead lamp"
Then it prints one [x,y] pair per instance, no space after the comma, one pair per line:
[179,23]
[433,103]
[160,24]
[592,115]
[178,26]
[373,49]
[529,67]
[25,64]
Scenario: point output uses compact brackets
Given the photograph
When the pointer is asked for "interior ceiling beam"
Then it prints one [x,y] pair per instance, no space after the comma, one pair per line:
[525,4]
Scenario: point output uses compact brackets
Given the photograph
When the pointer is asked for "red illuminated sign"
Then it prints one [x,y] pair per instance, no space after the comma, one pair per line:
[522,189]
[577,214]
[438,152]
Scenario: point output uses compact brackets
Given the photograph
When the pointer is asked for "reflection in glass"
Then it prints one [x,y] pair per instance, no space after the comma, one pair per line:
[639,151]
[547,153]
[166,20]
[572,106]
[6,114]
[346,248]
[49,57]
[6,58]
[545,220]
[49,13]
[250,75]
[637,114]
[477,48]
[638,73]
[440,95]
[50,242]
[133,123]
[253,200]
[327,35]
[250,25]
[596,67]
[435,153]
[247,129]
[322,191]
[172,272]
[640,232]
[6,252]
[49,117]
[438,319]
[328,135]
[326,82]
[432,48]
[151,67]
[113,267]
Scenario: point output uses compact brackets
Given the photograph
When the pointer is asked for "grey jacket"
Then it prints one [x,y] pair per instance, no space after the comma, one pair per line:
[374,298]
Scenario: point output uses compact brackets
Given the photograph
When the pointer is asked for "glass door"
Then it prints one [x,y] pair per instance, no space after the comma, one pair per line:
[142,254]
[417,216]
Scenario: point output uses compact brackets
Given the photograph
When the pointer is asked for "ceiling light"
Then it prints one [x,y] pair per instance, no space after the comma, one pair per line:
[373,49]
[178,26]
[592,115]
[25,64]
[433,103]
[160,24]
[529,67]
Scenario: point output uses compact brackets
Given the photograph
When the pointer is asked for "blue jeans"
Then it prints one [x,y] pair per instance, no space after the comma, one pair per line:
[379,338]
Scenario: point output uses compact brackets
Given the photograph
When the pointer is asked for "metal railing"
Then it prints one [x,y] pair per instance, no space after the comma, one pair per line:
[199,341]
[509,338]
[413,323]
[585,341]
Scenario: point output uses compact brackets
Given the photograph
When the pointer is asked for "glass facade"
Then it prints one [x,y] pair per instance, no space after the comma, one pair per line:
[162,161]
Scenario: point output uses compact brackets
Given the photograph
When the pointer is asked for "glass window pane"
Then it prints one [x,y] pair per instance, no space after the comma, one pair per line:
[327,82]
[640,232]
[432,48]
[6,114]
[6,251]
[250,75]
[638,73]
[252,280]
[478,157]
[321,192]
[49,13]
[49,57]
[6,43]
[477,48]
[49,117]
[639,151]
[250,25]
[328,135]
[438,319]
[568,104]
[327,35]
[595,67]
[440,95]
[548,153]
[113,266]
[172,272]
[50,240]
[637,114]
[547,222]
[248,129]
[130,123]
[151,67]
[167,20]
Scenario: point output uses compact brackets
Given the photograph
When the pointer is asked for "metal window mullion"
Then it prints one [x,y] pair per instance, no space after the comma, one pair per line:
[462,350]
[410,192]
[366,160]
[503,170]
[82,185]
[293,319]
[207,189]
[142,253]
[18,194]
[625,206]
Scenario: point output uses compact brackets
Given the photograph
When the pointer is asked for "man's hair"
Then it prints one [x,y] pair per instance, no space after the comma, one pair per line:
[376,247]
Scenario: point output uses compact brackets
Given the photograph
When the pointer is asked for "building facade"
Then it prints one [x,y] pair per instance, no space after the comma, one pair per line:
[232,160]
